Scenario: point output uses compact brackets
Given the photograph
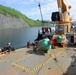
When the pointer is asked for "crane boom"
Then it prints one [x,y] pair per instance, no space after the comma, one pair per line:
[64,13]
[64,16]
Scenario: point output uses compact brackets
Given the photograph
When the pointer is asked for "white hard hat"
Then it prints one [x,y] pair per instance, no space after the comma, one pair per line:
[9,43]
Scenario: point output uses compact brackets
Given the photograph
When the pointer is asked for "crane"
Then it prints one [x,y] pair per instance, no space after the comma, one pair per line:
[62,19]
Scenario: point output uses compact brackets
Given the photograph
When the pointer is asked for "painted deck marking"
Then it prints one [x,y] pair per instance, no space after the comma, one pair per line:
[36,68]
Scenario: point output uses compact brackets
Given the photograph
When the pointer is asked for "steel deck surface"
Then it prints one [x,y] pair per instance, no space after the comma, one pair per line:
[60,61]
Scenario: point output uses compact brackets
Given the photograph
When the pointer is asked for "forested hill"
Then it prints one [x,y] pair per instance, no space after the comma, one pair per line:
[10,18]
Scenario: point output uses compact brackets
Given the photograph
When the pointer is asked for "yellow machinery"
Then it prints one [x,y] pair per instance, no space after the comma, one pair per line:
[62,19]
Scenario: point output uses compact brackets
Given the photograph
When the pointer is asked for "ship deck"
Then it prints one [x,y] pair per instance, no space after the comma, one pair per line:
[23,61]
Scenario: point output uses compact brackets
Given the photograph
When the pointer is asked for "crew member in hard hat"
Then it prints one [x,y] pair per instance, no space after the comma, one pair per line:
[8,47]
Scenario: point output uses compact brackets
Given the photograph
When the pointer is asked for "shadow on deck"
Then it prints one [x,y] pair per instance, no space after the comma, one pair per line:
[71,70]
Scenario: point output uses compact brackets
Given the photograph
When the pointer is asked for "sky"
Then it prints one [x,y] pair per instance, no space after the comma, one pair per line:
[30,7]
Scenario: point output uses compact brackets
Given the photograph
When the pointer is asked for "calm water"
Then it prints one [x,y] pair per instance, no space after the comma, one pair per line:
[17,37]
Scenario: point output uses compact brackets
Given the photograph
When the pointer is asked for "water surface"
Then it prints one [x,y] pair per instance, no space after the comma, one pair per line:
[17,37]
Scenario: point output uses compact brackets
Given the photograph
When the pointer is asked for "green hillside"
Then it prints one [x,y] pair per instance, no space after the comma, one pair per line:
[7,11]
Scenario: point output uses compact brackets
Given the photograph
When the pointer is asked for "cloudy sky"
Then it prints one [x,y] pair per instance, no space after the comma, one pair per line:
[30,7]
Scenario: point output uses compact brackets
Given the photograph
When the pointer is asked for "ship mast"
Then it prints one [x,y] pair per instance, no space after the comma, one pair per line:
[41,13]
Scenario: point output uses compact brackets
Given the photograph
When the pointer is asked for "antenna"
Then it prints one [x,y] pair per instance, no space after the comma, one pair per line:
[41,13]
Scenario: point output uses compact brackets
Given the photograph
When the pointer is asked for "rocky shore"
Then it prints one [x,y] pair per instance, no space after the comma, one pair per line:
[11,22]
